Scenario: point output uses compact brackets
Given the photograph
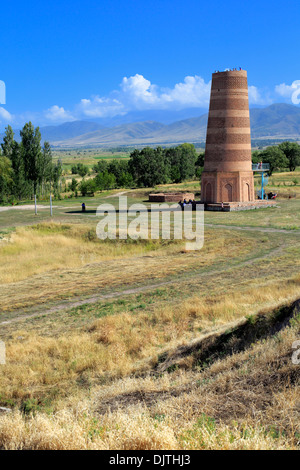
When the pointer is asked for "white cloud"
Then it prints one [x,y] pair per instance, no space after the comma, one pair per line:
[5,115]
[99,107]
[289,91]
[56,114]
[283,90]
[138,92]
[256,96]
[193,92]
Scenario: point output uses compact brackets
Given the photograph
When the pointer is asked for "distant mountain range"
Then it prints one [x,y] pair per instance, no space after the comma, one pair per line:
[278,121]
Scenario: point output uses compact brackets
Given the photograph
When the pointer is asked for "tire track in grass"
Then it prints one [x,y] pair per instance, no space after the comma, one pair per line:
[136,290]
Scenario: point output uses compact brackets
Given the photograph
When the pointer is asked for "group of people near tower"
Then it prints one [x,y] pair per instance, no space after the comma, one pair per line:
[229,70]
[184,203]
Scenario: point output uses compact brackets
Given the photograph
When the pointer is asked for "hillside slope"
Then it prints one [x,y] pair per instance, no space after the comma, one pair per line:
[244,395]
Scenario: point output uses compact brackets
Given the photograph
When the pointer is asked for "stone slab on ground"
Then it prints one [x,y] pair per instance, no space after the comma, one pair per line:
[238,206]
[171,197]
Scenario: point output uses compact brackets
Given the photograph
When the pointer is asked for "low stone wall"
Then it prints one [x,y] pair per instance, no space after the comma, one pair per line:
[239,206]
[170,197]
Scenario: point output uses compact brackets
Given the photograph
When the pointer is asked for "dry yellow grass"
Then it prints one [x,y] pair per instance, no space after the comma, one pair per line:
[246,401]
[40,367]
[56,261]
[121,431]
[52,247]
[244,302]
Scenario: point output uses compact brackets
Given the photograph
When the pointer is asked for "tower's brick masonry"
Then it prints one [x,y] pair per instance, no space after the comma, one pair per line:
[227,175]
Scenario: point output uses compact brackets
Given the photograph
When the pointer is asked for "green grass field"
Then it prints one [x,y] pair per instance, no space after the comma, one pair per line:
[89,157]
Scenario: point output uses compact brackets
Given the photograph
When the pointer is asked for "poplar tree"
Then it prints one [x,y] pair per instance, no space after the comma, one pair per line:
[20,186]
[8,142]
[46,167]
[32,154]
[5,177]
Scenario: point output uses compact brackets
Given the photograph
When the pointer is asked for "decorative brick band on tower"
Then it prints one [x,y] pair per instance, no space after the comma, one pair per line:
[227,174]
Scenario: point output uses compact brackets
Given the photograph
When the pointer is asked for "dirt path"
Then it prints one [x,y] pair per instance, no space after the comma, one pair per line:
[116,194]
[90,300]
[135,290]
[255,229]
[29,207]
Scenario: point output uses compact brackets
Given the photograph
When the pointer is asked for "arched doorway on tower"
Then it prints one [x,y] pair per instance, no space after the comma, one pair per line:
[208,192]
[227,193]
[246,190]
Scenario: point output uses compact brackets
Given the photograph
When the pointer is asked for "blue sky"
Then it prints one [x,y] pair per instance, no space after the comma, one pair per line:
[67,60]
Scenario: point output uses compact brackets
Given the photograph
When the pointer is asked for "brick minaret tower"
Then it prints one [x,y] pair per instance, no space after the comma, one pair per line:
[227,175]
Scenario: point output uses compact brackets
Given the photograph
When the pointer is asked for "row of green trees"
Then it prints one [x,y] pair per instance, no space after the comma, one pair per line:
[145,168]
[282,156]
[158,166]
[26,168]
